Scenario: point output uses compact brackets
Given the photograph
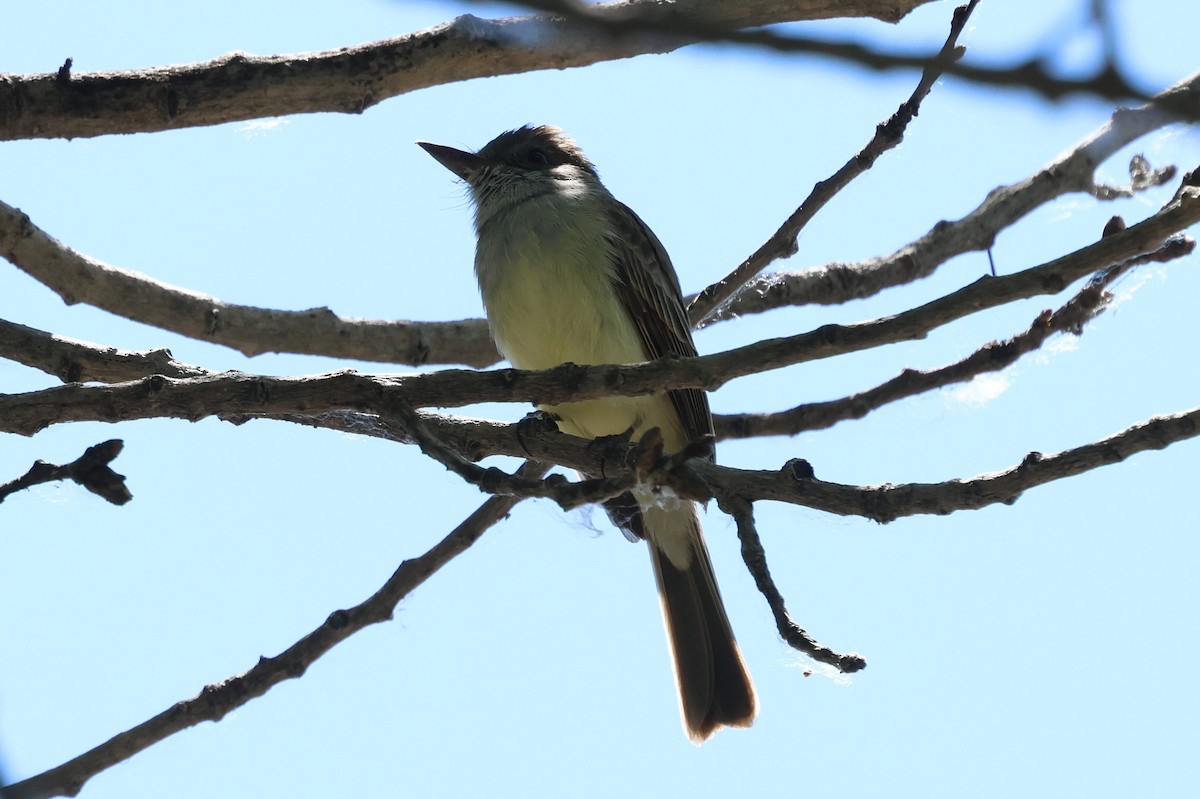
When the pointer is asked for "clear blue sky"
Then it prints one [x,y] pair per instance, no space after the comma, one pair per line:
[1043,649]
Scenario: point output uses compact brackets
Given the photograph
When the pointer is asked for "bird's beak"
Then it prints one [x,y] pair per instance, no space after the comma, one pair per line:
[465,165]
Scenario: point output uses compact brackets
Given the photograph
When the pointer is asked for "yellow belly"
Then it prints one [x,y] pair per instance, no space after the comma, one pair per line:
[543,314]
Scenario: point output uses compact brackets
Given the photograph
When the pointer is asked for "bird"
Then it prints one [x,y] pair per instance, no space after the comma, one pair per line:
[569,274]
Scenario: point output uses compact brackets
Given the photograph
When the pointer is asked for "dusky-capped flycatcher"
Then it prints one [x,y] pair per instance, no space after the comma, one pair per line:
[570,274]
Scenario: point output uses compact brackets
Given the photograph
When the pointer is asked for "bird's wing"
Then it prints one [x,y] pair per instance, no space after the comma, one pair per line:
[649,289]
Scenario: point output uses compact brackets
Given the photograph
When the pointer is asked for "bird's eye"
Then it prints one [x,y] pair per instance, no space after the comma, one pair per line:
[537,158]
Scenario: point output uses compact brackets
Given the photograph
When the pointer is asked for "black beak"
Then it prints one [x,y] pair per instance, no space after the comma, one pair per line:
[465,165]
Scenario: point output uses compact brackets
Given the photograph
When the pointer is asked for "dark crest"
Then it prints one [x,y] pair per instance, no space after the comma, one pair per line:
[541,147]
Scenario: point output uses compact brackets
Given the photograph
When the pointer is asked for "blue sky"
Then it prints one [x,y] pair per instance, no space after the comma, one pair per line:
[1040,649]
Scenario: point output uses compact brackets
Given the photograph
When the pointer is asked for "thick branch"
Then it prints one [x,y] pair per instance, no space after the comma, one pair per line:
[1070,318]
[886,503]
[1108,82]
[236,393]
[74,361]
[478,438]
[78,278]
[349,80]
[215,701]
[702,480]
[252,331]
[475,438]
[791,484]
[319,331]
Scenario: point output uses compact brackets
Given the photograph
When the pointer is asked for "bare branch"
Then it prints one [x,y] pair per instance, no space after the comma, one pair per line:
[705,19]
[350,80]
[79,361]
[478,438]
[755,558]
[567,494]
[1073,172]
[239,87]
[783,243]
[215,701]
[789,484]
[702,480]
[78,278]
[882,503]
[1109,82]
[90,470]
[793,483]
[252,331]
[74,361]
[886,503]
[236,393]
[153,384]
[1071,317]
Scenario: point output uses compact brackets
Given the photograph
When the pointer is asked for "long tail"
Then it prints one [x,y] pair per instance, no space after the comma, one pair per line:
[715,688]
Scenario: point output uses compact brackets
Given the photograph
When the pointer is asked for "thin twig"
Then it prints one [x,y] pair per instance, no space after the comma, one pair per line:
[755,558]
[90,470]
[783,243]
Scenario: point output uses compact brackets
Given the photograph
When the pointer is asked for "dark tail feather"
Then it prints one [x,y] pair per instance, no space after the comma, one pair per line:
[715,688]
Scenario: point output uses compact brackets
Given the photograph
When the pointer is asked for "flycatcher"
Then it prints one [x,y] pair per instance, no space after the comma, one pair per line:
[569,274]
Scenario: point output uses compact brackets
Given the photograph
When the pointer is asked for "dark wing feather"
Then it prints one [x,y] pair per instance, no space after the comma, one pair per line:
[649,289]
